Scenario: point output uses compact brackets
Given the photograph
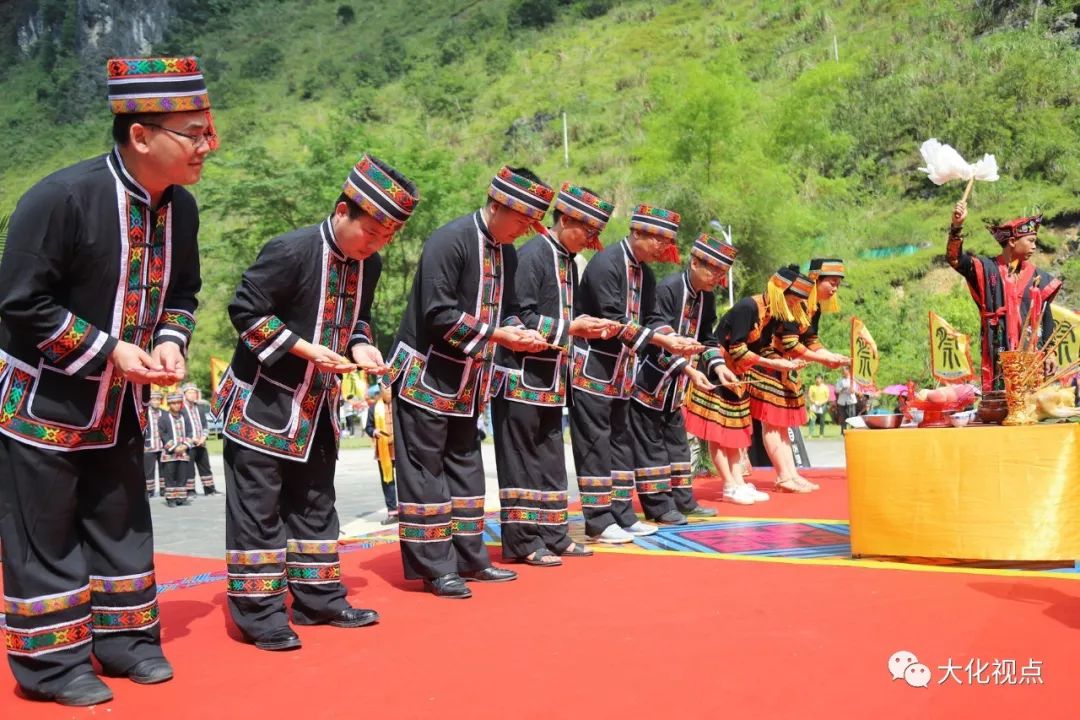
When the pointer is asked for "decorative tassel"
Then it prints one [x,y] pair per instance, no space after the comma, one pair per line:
[832,305]
[777,303]
[671,255]
[798,314]
[211,131]
[811,300]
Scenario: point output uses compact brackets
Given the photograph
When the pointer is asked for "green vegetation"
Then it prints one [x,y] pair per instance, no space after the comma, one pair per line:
[739,111]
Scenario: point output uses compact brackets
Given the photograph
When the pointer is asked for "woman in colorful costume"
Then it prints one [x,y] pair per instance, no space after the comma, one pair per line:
[722,417]
[776,397]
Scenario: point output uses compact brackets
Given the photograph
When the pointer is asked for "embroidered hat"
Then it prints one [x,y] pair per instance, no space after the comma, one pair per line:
[713,251]
[828,267]
[819,268]
[156,85]
[156,394]
[655,221]
[381,191]
[521,194]
[175,396]
[188,386]
[787,281]
[580,204]
[801,287]
[1003,232]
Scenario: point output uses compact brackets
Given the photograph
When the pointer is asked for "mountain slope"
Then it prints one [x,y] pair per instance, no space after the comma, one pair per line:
[797,123]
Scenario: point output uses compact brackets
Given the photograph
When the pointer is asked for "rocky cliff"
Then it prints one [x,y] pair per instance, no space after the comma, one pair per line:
[92,28]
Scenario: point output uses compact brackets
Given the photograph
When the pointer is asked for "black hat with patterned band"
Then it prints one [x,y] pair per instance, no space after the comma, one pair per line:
[714,251]
[519,193]
[381,191]
[655,221]
[580,204]
[156,85]
[825,267]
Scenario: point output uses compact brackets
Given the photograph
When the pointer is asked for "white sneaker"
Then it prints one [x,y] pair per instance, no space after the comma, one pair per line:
[739,494]
[613,535]
[756,494]
[641,529]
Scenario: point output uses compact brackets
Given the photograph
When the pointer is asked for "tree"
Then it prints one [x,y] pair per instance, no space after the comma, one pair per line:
[534,14]
[346,15]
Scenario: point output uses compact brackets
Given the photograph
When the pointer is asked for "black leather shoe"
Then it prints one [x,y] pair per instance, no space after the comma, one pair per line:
[347,618]
[490,574]
[450,585]
[147,672]
[282,639]
[355,617]
[672,517]
[86,689]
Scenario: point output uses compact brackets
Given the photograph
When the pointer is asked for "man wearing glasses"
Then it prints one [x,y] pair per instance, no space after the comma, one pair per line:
[1005,289]
[527,409]
[618,285]
[97,301]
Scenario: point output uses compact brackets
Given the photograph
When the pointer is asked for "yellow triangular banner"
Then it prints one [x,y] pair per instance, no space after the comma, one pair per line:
[1066,335]
[864,357]
[217,369]
[950,352]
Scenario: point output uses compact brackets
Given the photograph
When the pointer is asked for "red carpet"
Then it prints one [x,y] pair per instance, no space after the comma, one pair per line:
[828,503]
[615,636]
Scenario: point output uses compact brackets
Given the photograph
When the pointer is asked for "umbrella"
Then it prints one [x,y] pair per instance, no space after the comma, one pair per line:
[895,390]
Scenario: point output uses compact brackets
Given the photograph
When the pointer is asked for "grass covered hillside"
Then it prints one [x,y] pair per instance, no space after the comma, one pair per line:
[798,123]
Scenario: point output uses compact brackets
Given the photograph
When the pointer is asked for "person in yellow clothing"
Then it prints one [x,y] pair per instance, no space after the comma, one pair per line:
[819,405]
[380,428]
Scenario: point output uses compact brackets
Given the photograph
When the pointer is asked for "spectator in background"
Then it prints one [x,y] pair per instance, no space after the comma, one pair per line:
[349,410]
[197,410]
[358,406]
[174,428]
[846,398]
[380,428]
[152,444]
[366,408]
[819,405]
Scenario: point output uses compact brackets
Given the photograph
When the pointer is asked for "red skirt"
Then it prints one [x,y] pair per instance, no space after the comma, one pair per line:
[776,398]
[721,417]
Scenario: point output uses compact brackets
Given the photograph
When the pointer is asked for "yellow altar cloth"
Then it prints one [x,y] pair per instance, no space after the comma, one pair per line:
[978,493]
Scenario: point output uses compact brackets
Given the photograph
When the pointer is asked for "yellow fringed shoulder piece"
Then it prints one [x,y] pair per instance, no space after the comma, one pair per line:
[777,303]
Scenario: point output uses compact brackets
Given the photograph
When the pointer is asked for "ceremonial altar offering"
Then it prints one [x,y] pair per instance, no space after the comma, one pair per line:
[980,493]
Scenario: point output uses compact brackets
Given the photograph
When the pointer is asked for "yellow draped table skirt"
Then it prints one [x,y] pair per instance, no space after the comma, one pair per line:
[976,493]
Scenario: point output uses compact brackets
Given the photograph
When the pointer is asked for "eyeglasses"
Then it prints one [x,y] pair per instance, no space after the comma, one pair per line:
[197,141]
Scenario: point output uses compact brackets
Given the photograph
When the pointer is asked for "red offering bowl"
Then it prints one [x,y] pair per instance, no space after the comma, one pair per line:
[935,414]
